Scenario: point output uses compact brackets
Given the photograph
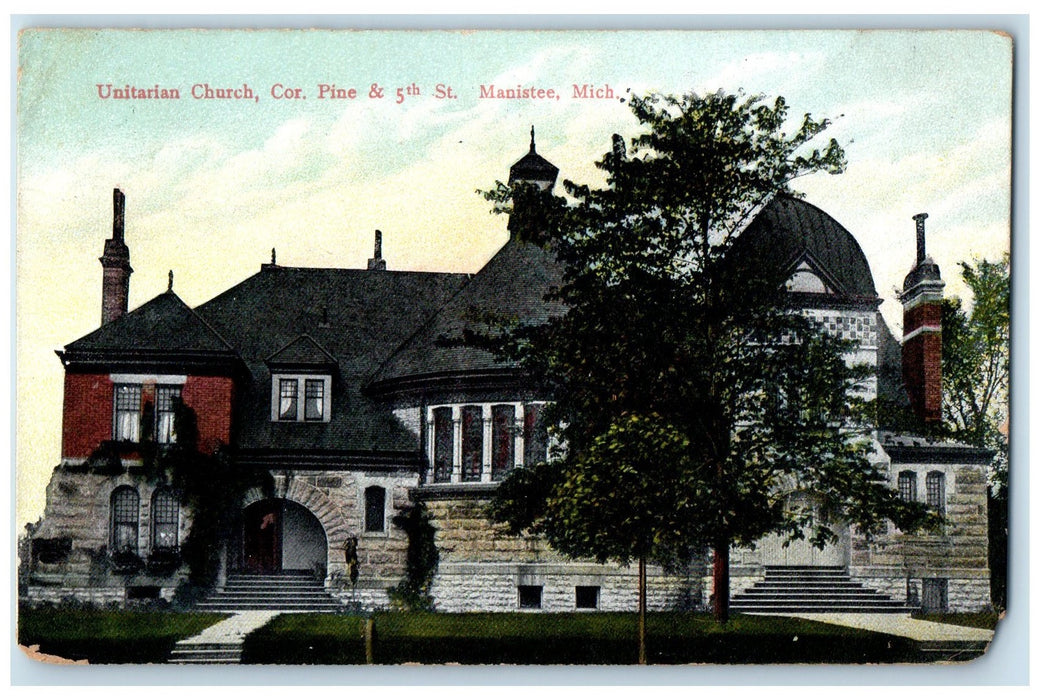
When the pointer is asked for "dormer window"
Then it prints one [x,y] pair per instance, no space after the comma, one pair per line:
[300,398]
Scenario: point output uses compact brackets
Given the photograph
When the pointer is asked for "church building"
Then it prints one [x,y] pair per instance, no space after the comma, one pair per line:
[337,384]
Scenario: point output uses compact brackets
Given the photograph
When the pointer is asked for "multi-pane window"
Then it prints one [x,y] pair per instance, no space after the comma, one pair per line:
[125,505]
[935,486]
[166,398]
[472,442]
[288,399]
[166,514]
[300,398]
[536,437]
[908,486]
[127,422]
[465,443]
[375,509]
[314,400]
[443,444]
[502,447]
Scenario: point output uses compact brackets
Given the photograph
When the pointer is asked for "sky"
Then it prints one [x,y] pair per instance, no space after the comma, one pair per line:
[213,185]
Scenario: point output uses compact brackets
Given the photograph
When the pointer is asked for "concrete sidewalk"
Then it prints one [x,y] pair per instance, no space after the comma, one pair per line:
[234,629]
[900,625]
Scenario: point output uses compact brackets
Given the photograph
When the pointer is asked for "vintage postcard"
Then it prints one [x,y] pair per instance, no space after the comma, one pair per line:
[512,347]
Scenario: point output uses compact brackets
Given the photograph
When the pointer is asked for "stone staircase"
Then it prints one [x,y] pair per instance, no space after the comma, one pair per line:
[794,589]
[286,591]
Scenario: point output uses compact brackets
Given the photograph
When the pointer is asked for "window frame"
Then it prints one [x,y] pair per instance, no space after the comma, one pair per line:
[935,491]
[173,506]
[173,392]
[595,590]
[121,412]
[119,515]
[907,477]
[369,501]
[300,381]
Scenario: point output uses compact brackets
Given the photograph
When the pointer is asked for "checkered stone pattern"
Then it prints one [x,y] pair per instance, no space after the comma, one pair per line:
[860,326]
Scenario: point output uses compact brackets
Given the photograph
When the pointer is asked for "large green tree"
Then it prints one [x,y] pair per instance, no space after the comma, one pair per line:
[690,398]
[976,367]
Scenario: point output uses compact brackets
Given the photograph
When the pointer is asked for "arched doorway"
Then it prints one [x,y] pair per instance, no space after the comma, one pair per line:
[802,552]
[281,535]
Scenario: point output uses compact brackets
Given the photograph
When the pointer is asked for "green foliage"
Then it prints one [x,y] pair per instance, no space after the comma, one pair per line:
[212,487]
[413,593]
[691,399]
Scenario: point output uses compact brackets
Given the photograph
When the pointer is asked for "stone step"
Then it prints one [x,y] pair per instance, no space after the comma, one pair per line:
[822,606]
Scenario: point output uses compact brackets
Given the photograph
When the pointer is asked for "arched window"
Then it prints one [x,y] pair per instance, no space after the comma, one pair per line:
[443,444]
[166,513]
[935,484]
[375,509]
[908,486]
[125,506]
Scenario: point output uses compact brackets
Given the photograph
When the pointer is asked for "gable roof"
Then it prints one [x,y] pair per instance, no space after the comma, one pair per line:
[513,285]
[302,352]
[161,330]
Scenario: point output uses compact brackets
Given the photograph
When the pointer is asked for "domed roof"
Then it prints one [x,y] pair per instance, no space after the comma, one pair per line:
[801,236]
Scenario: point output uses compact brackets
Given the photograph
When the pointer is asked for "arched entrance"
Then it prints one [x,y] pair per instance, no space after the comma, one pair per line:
[281,535]
[802,552]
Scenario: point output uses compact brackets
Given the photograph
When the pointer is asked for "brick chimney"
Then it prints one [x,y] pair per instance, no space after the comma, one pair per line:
[115,285]
[376,262]
[922,332]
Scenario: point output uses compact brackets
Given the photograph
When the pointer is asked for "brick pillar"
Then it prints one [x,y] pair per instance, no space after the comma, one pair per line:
[922,332]
[115,263]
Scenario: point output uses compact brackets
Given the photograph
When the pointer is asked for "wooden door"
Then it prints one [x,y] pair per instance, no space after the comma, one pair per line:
[262,537]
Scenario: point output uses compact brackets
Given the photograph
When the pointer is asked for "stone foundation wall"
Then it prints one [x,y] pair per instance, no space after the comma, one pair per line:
[489,587]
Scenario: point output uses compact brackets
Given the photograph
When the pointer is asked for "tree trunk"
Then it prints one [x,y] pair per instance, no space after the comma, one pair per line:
[720,581]
[642,610]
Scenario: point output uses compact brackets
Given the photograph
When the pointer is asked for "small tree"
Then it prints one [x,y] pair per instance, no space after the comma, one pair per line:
[676,355]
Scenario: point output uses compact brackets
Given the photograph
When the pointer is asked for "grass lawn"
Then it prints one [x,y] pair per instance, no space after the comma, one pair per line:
[109,636]
[982,620]
[566,638]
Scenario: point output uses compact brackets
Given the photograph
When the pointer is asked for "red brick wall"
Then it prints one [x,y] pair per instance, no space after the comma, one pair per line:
[922,362]
[87,411]
[211,399]
[923,315]
[86,414]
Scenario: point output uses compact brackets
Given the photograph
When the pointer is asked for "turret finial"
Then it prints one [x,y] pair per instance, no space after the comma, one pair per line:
[273,256]
[532,138]
[169,285]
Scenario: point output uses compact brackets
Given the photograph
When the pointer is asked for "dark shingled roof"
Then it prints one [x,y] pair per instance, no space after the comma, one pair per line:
[357,316]
[533,167]
[790,228]
[164,324]
[513,285]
